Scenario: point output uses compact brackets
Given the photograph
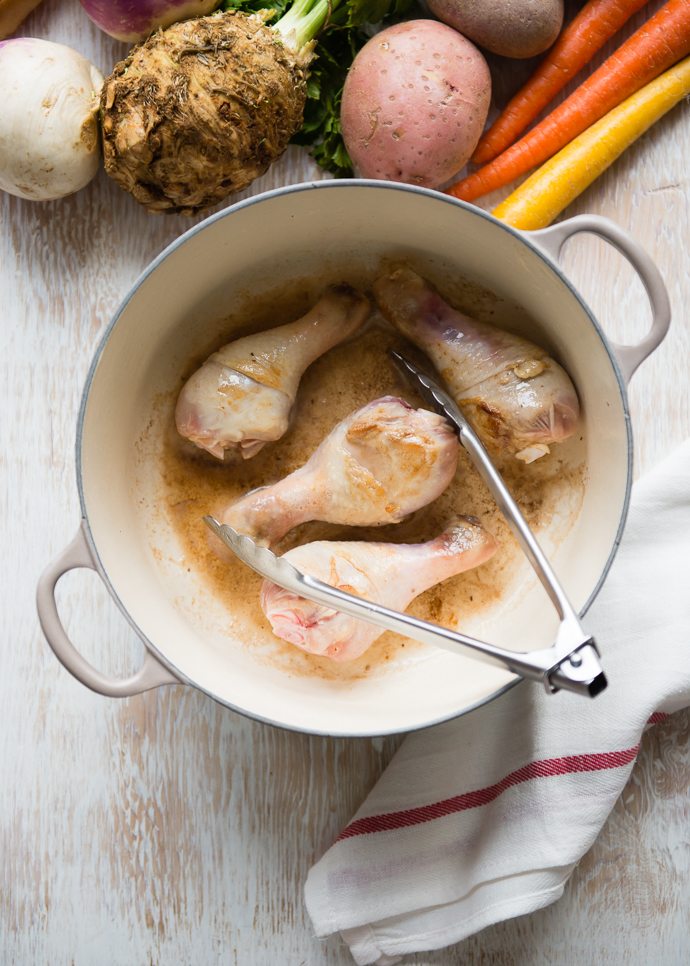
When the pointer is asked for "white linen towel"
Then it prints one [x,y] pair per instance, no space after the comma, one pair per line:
[485,817]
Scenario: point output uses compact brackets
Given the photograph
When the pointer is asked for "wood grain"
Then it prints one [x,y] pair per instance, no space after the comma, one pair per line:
[166,829]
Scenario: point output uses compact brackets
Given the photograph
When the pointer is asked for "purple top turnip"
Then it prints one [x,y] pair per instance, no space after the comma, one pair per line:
[135,20]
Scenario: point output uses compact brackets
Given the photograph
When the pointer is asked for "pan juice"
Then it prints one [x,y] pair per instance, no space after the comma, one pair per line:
[220,594]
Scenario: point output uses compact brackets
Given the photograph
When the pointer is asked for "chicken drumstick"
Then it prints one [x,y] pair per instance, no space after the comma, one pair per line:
[242,395]
[517,398]
[387,573]
[380,463]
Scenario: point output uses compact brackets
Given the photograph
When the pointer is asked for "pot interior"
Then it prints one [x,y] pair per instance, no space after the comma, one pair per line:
[144,490]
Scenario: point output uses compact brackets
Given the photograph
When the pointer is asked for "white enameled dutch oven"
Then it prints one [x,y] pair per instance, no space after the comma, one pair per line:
[333,231]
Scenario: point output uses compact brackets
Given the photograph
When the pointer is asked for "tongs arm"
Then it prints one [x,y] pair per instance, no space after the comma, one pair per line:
[537,665]
[574,651]
[572,661]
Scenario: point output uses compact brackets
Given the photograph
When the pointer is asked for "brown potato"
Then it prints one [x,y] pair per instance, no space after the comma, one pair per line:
[513,28]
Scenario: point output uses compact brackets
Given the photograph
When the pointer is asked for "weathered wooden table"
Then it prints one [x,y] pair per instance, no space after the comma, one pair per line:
[167,830]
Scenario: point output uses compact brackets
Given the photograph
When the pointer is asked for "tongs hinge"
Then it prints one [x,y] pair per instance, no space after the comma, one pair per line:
[580,672]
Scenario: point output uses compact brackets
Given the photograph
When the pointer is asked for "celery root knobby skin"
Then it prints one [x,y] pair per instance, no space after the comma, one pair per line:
[552,187]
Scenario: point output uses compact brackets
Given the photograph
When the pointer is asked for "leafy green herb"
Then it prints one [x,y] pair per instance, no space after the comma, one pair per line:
[279,7]
[337,47]
[321,129]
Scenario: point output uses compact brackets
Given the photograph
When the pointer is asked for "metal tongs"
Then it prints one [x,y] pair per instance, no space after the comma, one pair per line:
[571,663]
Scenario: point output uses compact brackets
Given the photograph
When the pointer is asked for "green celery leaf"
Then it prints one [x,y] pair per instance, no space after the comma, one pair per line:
[366,11]
[335,51]
[374,11]
[313,87]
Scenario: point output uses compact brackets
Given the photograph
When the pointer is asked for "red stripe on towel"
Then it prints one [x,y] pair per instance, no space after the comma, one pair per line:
[657,717]
[536,769]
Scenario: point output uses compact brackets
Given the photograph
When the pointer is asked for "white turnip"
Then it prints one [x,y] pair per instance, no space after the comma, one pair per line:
[49,143]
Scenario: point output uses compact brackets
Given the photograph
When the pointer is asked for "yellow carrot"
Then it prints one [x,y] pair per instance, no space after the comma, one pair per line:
[12,12]
[549,190]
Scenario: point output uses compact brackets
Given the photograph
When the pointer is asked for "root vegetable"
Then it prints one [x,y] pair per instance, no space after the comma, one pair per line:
[12,12]
[135,20]
[203,108]
[596,23]
[200,110]
[512,28]
[552,187]
[414,103]
[656,46]
[49,145]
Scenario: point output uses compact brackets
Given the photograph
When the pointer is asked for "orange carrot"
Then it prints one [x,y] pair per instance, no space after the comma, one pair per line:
[596,23]
[655,47]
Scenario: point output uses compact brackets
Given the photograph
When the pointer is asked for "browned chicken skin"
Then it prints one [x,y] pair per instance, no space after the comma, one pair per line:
[379,464]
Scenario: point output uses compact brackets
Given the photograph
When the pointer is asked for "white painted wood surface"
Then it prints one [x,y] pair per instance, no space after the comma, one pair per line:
[167,830]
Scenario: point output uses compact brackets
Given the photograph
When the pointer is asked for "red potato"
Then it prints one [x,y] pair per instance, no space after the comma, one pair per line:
[414,103]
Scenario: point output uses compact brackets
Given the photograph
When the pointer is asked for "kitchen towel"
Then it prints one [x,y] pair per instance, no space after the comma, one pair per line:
[485,817]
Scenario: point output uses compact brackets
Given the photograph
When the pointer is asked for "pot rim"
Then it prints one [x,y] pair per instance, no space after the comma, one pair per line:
[333,184]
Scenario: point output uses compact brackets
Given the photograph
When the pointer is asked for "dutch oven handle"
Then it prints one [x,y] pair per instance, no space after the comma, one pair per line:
[152,674]
[551,240]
